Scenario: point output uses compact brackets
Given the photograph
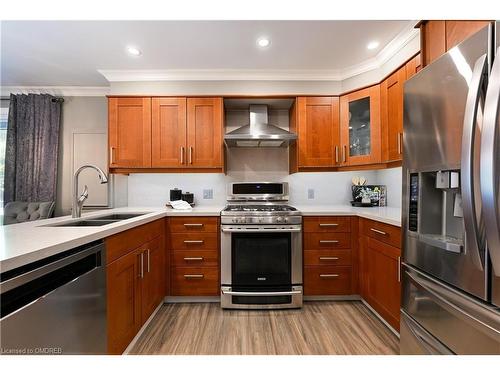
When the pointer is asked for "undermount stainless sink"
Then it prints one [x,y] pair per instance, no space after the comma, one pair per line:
[97,221]
[84,223]
[120,216]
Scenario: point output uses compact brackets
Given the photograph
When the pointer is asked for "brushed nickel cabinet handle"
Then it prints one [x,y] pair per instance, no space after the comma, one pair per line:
[193,241]
[190,155]
[328,225]
[194,276]
[328,275]
[378,231]
[141,272]
[336,154]
[149,260]
[344,153]
[193,258]
[182,154]
[400,144]
[328,258]
[111,158]
[193,225]
[328,241]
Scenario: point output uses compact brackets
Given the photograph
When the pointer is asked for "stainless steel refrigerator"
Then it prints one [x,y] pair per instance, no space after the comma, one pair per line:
[451,201]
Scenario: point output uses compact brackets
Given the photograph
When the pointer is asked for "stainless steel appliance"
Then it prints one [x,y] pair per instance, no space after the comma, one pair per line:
[259,133]
[451,216]
[56,305]
[261,248]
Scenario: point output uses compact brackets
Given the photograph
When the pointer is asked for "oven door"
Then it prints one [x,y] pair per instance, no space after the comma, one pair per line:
[261,266]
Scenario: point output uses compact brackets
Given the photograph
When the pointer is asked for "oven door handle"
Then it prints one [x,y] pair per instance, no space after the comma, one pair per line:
[260,230]
[261,294]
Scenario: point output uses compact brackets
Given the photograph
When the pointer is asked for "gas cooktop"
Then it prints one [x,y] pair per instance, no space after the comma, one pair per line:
[259,208]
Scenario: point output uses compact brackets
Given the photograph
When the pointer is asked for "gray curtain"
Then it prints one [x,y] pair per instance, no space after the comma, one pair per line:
[31,148]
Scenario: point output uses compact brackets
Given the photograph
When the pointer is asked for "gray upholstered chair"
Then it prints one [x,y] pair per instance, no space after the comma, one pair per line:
[20,212]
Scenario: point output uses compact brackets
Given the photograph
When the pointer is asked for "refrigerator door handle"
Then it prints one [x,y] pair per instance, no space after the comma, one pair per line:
[468,176]
[489,168]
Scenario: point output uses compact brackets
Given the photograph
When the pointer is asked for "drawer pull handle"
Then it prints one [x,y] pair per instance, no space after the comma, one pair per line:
[328,275]
[328,225]
[378,231]
[193,276]
[193,241]
[328,258]
[193,258]
[193,225]
[328,241]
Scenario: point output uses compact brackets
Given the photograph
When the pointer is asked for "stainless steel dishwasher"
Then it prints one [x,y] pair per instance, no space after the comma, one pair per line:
[56,305]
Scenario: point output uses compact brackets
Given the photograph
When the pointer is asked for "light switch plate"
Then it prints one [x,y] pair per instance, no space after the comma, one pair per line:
[310,193]
[208,194]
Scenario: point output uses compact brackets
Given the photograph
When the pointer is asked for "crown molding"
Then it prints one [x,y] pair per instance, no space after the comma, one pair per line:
[404,37]
[56,90]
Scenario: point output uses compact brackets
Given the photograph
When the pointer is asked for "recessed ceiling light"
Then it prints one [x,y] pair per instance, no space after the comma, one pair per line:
[373,45]
[263,42]
[133,51]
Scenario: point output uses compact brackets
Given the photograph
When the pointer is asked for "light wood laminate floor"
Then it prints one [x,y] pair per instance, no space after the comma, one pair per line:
[333,327]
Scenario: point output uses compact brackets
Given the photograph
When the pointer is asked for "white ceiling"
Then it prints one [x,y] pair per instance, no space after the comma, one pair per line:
[70,53]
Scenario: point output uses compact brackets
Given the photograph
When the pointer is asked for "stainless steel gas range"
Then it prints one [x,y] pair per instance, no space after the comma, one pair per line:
[261,248]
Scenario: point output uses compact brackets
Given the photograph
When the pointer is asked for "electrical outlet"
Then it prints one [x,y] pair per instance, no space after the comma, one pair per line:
[310,193]
[208,194]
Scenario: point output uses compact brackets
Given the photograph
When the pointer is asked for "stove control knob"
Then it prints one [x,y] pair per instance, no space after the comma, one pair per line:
[261,219]
[286,220]
[235,220]
[279,219]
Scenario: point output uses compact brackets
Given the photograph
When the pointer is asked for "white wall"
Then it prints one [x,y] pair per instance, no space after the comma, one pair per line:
[83,114]
[330,188]
[392,178]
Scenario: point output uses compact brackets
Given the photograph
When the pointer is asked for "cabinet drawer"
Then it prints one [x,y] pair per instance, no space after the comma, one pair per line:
[327,280]
[195,258]
[386,233]
[317,241]
[193,224]
[195,281]
[327,257]
[194,241]
[122,243]
[327,224]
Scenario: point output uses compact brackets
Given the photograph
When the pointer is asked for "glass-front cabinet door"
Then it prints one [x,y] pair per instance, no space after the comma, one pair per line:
[360,127]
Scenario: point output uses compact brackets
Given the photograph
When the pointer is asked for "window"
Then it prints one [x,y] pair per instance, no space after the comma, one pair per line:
[4,112]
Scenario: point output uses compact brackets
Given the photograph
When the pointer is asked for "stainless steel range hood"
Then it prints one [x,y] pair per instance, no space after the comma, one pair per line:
[259,133]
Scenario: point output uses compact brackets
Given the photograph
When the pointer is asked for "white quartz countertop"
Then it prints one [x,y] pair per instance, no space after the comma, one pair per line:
[24,243]
[388,215]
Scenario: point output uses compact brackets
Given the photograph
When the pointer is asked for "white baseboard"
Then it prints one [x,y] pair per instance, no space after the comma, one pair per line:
[132,343]
[380,317]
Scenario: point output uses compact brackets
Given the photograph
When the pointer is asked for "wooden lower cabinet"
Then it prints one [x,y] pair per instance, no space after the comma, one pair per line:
[380,274]
[123,302]
[194,256]
[330,255]
[136,283]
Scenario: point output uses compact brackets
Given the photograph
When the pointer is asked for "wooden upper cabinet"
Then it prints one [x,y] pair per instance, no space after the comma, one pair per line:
[439,36]
[433,40]
[204,132]
[413,66]
[129,132]
[458,31]
[391,108]
[318,131]
[168,132]
[360,131]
